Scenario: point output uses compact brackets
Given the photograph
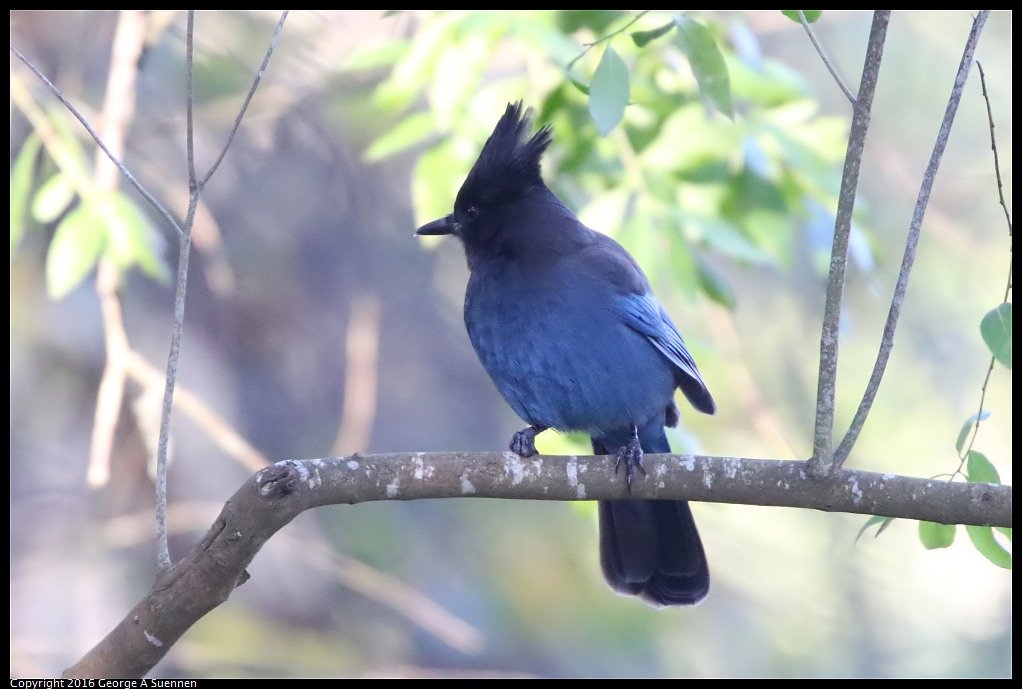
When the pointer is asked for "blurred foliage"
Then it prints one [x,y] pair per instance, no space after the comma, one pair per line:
[90,223]
[725,195]
[667,155]
[675,182]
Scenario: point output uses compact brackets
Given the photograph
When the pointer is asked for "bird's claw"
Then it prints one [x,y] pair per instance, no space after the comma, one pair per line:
[631,456]
[523,443]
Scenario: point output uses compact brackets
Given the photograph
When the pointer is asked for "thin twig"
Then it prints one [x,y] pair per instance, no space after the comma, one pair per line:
[195,188]
[993,147]
[887,342]
[604,39]
[248,98]
[163,559]
[66,161]
[184,251]
[99,142]
[964,456]
[190,103]
[827,383]
[823,56]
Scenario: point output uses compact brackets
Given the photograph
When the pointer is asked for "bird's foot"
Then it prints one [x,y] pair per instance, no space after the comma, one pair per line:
[523,443]
[631,456]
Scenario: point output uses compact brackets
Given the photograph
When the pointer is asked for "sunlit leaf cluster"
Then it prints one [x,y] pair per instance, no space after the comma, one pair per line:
[89,224]
[667,136]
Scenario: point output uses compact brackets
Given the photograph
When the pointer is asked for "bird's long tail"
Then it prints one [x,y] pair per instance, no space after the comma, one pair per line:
[650,548]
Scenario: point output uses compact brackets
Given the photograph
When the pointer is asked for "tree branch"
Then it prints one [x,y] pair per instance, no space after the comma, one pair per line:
[274,496]
[195,186]
[887,341]
[827,383]
[963,455]
[248,97]
[823,56]
[993,145]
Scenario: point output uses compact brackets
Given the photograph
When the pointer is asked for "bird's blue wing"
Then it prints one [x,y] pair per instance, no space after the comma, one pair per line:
[644,314]
[609,264]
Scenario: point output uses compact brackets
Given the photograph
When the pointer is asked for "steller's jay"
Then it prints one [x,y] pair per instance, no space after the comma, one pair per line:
[566,324]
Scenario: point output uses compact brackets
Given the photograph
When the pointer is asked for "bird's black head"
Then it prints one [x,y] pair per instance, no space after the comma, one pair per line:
[507,169]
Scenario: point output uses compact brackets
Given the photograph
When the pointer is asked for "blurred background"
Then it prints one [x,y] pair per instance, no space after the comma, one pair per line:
[316,324]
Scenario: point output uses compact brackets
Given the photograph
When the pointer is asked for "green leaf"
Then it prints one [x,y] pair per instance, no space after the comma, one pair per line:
[884,522]
[996,330]
[414,71]
[608,92]
[933,535]
[1006,531]
[643,38]
[579,85]
[983,538]
[707,63]
[967,426]
[74,251]
[21,184]
[811,15]
[980,470]
[408,132]
[53,198]
[131,239]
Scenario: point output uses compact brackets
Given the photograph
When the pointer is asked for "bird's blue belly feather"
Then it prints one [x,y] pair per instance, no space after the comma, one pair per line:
[564,362]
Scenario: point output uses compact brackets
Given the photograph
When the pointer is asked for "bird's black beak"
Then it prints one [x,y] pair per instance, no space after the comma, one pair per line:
[445,225]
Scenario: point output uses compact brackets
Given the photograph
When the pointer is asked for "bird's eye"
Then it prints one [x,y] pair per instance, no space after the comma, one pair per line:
[472,212]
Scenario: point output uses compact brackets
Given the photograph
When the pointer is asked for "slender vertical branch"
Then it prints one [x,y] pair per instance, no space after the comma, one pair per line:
[118,107]
[189,103]
[360,375]
[195,188]
[964,454]
[163,558]
[887,341]
[184,248]
[248,99]
[826,386]
[993,147]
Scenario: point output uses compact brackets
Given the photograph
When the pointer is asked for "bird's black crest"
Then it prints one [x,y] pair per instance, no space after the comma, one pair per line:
[509,162]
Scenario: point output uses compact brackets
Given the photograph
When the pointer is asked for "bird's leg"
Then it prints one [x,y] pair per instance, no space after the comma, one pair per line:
[523,443]
[630,455]
[672,415]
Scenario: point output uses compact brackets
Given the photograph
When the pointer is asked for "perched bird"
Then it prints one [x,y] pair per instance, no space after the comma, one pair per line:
[566,324]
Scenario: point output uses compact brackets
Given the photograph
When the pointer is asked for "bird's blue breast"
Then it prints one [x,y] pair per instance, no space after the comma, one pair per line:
[555,345]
